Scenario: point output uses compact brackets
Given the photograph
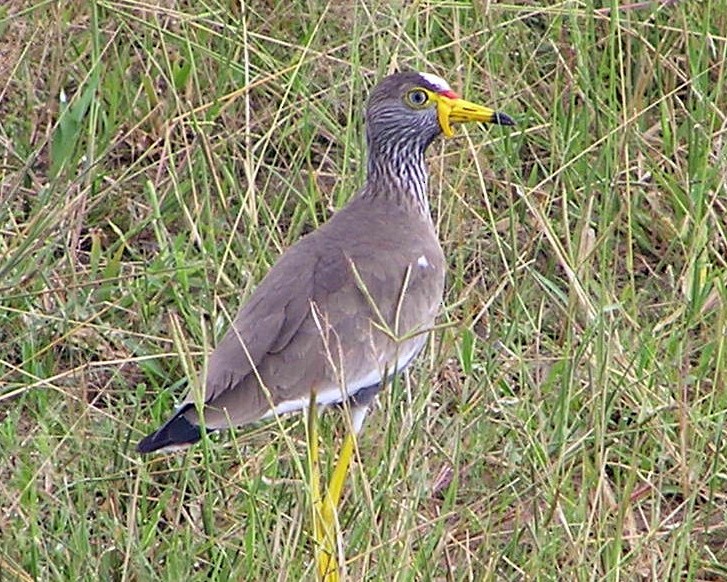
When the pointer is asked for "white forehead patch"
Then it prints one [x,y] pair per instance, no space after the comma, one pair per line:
[437,82]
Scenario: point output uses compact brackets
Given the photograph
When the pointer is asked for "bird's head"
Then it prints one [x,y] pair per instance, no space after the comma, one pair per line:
[418,107]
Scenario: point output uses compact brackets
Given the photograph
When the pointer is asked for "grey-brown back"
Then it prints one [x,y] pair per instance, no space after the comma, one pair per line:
[318,321]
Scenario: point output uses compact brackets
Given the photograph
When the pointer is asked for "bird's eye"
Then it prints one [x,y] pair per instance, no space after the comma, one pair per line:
[417,97]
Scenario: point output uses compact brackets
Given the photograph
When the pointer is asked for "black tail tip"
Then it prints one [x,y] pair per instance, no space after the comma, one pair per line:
[176,434]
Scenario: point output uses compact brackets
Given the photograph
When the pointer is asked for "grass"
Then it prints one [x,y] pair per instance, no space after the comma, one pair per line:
[567,420]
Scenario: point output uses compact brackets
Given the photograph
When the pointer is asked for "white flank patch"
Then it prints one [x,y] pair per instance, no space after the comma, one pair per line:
[438,83]
[325,398]
[422,262]
[334,395]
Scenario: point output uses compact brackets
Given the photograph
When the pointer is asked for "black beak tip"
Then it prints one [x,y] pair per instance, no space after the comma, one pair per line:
[502,119]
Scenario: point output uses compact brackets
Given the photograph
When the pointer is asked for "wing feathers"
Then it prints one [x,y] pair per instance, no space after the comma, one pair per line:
[277,352]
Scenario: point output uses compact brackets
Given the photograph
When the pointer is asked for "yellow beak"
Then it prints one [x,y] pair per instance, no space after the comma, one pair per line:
[455,110]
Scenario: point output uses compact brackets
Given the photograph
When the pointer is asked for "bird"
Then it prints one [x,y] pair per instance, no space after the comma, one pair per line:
[349,305]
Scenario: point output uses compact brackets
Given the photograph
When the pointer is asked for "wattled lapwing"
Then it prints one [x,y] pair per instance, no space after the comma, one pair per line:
[348,306]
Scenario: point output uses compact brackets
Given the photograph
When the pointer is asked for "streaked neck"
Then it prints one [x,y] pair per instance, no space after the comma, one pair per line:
[397,171]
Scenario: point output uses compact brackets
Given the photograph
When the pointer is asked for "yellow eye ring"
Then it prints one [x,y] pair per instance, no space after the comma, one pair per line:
[417,98]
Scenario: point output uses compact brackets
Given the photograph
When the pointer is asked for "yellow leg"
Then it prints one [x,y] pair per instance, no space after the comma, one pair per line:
[335,487]
[325,522]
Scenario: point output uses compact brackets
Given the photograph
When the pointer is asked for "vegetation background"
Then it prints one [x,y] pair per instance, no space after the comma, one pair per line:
[567,420]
